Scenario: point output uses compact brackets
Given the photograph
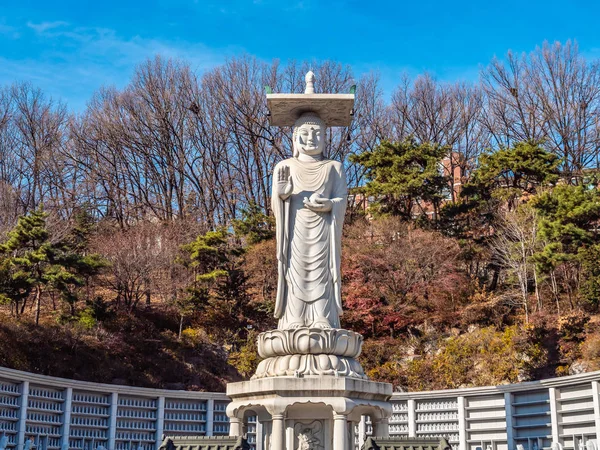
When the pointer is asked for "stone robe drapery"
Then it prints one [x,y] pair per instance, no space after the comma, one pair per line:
[309,245]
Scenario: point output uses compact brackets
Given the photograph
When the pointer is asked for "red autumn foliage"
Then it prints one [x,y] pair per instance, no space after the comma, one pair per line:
[396,277]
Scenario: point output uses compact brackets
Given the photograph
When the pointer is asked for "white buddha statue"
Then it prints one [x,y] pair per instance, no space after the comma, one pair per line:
[309,201]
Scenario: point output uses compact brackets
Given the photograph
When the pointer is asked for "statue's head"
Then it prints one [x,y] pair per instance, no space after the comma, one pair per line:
[309,135]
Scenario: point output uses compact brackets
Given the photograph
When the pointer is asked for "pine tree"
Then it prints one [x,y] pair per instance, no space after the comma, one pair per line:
[28,251]
[33,264]
[207,257]
[590,284]
[501,180]
[511,173]
[568,227]
[254,225]
[403,175]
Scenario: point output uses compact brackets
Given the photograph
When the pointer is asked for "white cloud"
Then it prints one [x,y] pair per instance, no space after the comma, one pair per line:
[76,61]
[45,26]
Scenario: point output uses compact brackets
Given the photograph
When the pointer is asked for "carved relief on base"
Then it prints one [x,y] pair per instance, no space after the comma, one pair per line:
[301,365]
[309,436]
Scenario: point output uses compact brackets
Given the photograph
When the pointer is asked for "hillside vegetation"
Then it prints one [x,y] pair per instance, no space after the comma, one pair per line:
[136,239]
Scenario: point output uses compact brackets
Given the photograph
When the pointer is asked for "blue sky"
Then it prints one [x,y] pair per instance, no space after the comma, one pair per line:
[71,48]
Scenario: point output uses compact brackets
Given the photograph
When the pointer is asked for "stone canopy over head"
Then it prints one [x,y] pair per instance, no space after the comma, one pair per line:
[335,110]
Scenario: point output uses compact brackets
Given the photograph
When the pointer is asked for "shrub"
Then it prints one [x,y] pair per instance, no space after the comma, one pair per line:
[590,350]
[87,319]
[246,359]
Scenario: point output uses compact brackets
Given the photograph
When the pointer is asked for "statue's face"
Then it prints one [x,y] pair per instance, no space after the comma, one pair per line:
[309,139]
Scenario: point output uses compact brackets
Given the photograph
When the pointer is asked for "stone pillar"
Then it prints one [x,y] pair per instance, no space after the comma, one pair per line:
[352,435]
[362,431]
[23,414]
[553,413]
[508,412]
[596,393]
[210,412]
[412,418]
[160,421]
[235,426]
[290,437]
[381,428]
[277,430]
[260,432]
[66,427]
[266,437]
[462,424]
[340,434]
[112,421]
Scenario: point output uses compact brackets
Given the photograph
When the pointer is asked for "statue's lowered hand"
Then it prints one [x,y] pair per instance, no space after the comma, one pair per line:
[284,182]
[318,203]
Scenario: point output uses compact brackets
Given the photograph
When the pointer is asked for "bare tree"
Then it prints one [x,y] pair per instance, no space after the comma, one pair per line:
[11,167]
[550,96]
[426,110]
[446,114]
[135,144]
[513,113]
[513,247]
[41,125]
[238,90]
[568,90]
[140,262]
[370,124]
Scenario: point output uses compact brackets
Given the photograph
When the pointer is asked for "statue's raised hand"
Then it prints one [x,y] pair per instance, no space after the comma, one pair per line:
[284,182]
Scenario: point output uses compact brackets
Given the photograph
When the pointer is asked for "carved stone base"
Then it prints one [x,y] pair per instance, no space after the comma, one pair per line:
[319,413]
[301,365]
[314,341]
[309,351]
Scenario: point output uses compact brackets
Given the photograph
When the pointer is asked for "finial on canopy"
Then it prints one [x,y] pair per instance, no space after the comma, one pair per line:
[310,82]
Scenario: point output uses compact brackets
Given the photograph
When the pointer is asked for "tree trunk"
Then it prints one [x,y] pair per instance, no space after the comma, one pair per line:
[538,297]
[555,291]
[495,276]
[38,302]
[180,327]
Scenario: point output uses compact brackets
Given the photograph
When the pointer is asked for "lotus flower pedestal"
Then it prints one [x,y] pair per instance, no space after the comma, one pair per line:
[309,351]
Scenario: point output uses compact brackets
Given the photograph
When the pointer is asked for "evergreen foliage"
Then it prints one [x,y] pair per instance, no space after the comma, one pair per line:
[590,268]
[569,216]
[213,259]
[501,180]
[403,175]
[33,263]
[254,225]
[503,176]
[510,173]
